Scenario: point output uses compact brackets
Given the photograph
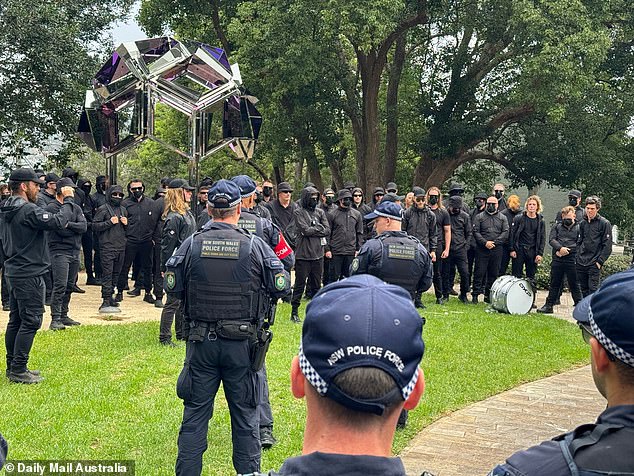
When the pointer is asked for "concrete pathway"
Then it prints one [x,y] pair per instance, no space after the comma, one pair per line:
[473,440]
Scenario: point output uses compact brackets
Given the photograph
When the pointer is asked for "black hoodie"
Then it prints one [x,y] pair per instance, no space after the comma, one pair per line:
[68,240]
[111,236]
[312,228]
[22,225]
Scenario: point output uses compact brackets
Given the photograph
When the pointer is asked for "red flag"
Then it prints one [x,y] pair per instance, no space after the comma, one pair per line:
[282,250]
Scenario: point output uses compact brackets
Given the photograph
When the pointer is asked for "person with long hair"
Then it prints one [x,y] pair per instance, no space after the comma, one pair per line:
[179,225]
[527,238]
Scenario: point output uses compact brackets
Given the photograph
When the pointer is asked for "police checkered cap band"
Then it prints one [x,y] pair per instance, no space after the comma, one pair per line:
[387,215]
[226,197]
[247,195]
[311,374]
[409,388]
[607,343]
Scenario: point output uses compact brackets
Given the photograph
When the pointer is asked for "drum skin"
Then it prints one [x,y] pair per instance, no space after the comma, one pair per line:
[512,295]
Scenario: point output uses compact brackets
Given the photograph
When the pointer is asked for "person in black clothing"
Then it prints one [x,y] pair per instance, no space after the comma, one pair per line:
[460,239]
[498,192]
[46,195]
[260,204]
[346,235]
[574,200]
[102,183]
[4,449]
[109,223]
[313,231]
[64,246]
[142,220]
[420,222]
[200,210]
[179,225]
[327,203]
[87,241]
[512,209]
[282,207]
[157,273]
[22,227]
[377,196]
[457,190]
[480,201]
[4,291]
[593,247]
[227,277]
[563,240]
[491,230]
[527,238]
[443,240]
[359,204]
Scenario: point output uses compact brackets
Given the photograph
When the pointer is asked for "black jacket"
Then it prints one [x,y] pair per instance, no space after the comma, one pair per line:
[346,231]
[421,224]
[461,230]
[22,225]
[595,241]
[281,216]
[142,219]
[312,227]
[510,216]
[519,222]
[176,229]
[561,236]
[67,240]
[472,216]
[112,236]
[44,199]
[487,227]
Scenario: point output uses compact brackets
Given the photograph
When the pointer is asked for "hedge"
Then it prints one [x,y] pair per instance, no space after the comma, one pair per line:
[614,264]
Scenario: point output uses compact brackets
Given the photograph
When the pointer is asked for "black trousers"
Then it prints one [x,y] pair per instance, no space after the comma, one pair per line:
[65,267]
[340,267]
[525,259]
[439,266]
[97,257]
[112,263]
[4,290]
[141,255]
[457,259]
[487,267]
[25,318]
[306,271]
[506,259]
[171,311]
[471,254]
[589,278]
[327,277]
[207,364]
[559,269]
[87,247]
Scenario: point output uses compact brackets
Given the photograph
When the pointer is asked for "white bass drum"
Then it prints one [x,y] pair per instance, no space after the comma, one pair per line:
[512,295]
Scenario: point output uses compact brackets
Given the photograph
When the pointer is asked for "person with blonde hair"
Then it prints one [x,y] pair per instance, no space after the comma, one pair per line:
[527,238]
[179,225]
[513,208]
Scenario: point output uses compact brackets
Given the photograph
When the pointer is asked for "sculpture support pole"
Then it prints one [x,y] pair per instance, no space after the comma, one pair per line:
[111,168]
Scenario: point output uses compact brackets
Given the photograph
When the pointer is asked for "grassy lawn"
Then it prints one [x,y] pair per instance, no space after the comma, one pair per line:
[109,391]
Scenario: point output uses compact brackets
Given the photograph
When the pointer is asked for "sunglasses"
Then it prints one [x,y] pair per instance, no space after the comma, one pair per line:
[357,195]
[136,189]
[587,335]
[379,194]
[391,191]
[284,191]
[420,199]
[501,191]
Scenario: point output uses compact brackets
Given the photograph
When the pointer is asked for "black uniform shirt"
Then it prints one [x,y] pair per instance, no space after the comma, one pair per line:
[442,220]
[527,236]
[328,464]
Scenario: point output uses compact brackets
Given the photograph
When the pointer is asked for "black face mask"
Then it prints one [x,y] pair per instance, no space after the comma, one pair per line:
[572,201]
[454,211]
[567,221]
[312,203]
[479,202]
[267,191]
[258,197]
[115,201]
[137,194]
[346,202]
[433,199]
[87,187]
[101,187]
[491,208]
[330,200]
[498,194]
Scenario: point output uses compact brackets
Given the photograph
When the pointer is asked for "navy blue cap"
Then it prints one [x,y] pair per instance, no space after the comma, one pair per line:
[387,210]
[223,194]
[361,322]
[246,184]
[608,314]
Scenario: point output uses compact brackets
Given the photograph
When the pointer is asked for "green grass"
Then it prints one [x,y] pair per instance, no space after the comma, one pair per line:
[109,391]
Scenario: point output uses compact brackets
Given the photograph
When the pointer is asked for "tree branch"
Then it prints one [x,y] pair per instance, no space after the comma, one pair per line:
[215,18]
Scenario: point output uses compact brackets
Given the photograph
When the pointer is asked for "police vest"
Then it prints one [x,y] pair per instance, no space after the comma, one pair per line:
[590,435]
[220,282]
[252,223]
[399,264]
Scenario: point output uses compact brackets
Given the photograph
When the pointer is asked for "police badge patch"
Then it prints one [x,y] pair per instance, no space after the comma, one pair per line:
[355,265]
[170,280]
[280,281]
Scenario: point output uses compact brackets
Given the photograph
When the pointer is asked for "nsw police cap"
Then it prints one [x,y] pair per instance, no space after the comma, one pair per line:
[224,194]
[180,183]
[361,322]
[246,184]
[607,314]
[25,174]
[386,209]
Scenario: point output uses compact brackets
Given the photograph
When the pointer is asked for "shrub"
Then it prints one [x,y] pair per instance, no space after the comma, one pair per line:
[614,264]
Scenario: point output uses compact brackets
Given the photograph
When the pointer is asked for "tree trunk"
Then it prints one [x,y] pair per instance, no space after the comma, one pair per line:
[307,152]
[391,134]
[278,174]
[334,163]
[430,173]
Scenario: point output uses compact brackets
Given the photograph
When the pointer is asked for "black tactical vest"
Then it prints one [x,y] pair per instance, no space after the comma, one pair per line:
[251,222]
[399,264]
[220,285]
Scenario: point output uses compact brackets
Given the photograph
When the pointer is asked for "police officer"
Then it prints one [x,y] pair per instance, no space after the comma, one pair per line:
[395,257]
[265,229]
[605,447]
[26,260]
[226,277]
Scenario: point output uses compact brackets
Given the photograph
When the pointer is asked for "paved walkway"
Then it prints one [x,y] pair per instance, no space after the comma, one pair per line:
[473,440]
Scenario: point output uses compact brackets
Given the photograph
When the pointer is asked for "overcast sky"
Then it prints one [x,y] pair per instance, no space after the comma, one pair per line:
[128,30]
